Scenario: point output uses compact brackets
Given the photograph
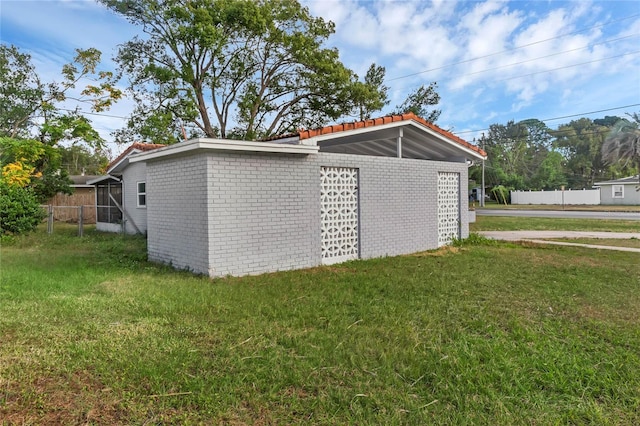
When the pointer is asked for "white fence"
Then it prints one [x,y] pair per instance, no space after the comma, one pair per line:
[558,197]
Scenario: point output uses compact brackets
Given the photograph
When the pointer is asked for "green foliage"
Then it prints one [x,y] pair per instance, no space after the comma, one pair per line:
[371,95]
[528,155]
[550,173]
[263,64]
[20,210]
[501,194]
[78,159]
[623,143]
[45,160]
[30,108]
[21,92]
[580,142]
[475,239]
[420,102]
[259,63]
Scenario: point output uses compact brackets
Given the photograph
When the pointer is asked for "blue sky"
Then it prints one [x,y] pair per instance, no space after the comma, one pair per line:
[493,61]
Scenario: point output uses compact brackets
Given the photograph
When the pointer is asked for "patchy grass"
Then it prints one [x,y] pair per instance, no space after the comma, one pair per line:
[507,223]
[614,242]
[479,334]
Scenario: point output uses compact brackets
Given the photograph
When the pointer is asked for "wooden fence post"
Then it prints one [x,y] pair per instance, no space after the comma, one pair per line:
[80,220]
[50,220]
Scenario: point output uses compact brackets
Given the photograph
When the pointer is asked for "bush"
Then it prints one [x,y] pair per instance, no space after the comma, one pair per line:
[474,240]
[20,211]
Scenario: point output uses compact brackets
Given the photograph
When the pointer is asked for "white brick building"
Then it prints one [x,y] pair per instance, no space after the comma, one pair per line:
[374,188]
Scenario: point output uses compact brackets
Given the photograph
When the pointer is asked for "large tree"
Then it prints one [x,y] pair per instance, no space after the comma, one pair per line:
[580,142]
[421,101]
[30,108]
[515,152]
[371,95]
[230,68]
[35,117]
[623,144]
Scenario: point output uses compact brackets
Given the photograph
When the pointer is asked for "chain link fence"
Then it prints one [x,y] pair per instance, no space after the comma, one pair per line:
[81,215]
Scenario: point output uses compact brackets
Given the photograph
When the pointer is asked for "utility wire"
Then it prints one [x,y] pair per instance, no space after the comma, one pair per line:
[561,117]
[567,66]
[548,56]
[511,49]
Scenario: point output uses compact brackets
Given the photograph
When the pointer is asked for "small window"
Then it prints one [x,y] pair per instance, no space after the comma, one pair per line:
[142,194]
[618,191]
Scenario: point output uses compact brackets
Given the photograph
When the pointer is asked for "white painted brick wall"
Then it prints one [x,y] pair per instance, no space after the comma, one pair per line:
[177,213]
[261,213]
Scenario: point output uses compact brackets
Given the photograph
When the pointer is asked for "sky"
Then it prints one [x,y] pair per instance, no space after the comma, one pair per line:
[493,61]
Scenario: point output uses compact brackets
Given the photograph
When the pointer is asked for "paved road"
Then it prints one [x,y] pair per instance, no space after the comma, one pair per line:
[560,214]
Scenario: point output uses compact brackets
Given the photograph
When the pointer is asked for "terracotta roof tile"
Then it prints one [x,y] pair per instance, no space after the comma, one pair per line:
[135,146]
[335,128]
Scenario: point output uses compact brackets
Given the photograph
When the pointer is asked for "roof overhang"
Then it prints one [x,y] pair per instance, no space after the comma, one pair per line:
[101,179]
[630,180]
[224,145]
[405,139]
[117,168]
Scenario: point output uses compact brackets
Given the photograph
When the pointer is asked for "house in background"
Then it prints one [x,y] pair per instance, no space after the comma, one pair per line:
[380,187]
[625,191]
[65,207]
[120,195]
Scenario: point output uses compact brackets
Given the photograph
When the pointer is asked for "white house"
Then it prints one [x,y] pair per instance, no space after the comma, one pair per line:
[121,194]
[379,187]
[625,191]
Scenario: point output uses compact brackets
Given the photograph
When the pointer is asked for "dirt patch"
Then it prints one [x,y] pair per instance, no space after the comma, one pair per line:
[442,251]
[79,398]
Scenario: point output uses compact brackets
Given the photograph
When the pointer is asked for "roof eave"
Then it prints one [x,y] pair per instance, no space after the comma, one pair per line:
[334,135]
[224,145]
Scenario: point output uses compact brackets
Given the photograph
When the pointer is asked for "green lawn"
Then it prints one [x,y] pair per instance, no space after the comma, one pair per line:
[599,208]
[631,242]
[483,334]
[507,223]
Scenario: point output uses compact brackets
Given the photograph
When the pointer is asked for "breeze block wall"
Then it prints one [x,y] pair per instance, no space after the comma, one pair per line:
[221,213]
[398,201]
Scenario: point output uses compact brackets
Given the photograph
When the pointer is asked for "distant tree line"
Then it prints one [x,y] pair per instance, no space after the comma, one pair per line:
[528,155]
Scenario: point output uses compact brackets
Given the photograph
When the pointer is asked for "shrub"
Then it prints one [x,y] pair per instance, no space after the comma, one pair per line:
[20,211]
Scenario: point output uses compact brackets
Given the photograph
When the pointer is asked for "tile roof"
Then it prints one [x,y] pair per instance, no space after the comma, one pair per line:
[336,128]
[136,146]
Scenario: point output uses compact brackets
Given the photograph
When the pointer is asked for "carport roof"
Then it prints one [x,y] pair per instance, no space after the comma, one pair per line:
[380,136]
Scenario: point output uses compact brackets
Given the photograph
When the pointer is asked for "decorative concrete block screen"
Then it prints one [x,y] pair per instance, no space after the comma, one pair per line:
[448,207]
[339,214]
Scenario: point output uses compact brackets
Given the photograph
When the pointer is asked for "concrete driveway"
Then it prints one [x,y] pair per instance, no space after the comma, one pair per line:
[538,237]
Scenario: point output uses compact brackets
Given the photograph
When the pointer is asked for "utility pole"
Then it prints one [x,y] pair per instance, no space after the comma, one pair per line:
[482,189]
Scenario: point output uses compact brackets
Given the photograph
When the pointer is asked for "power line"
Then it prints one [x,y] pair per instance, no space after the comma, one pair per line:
[561,117]
[548,56]
[510,50]
[92,113]
[567,66]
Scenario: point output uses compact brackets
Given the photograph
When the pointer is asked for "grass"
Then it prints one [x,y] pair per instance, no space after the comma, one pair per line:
[505,223]
[630,242]
[599,208]
[489,333]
